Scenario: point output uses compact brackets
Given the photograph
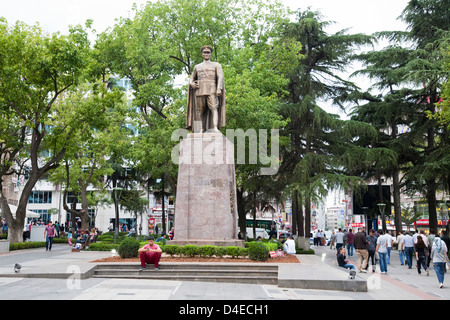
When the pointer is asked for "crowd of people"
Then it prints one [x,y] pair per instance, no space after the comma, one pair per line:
[375,249]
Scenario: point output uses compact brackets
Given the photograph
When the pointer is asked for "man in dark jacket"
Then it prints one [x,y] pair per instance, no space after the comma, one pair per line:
[360,243]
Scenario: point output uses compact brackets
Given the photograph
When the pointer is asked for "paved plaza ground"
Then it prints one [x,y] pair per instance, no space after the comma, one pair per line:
[400,283]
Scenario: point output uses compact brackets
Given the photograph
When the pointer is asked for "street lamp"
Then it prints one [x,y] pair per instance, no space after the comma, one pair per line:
[116,209]
[381,207]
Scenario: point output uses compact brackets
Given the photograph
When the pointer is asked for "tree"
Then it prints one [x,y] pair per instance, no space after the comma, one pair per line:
[322,149]
[36,69]
[85,162]
[428,24]
[387,112]
[409,75]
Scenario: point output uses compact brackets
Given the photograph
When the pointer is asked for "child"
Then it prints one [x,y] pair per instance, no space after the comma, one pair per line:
[69,238]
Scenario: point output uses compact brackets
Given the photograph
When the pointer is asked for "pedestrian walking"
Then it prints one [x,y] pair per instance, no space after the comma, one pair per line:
[360,244]
[430,240]
[332,240]
[382,244]
[408,242]
[389,246]
[421,255]
[339,239]
[49,234]
[401,248]
[350,242]
[371,248]
[439,256]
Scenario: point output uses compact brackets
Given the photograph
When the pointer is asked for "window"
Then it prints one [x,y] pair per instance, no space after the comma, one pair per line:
[40,197]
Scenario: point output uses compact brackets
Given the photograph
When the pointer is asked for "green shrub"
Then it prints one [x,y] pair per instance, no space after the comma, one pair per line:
[26,245]
[258,251]
[233,251]
[171,249]
[128,248]
[100,246]
[271,246]
[191,250]
[208,251]
[277,242]
[220,251]
[243,252]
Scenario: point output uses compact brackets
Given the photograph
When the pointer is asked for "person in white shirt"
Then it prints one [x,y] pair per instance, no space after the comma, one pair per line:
[408,242]
[382,244]
[401,248]
[289,246]
[339,239]
[389,246]
[316,238]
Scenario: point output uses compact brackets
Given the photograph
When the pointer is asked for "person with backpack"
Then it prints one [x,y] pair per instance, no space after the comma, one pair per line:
[439,256]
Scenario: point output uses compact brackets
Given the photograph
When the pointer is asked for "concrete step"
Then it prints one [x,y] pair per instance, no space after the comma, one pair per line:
[236,273]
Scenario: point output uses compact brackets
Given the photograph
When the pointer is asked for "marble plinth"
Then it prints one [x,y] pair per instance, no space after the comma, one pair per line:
[205,207]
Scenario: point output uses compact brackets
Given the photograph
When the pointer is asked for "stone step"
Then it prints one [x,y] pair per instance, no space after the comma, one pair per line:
[194,266]
[257,279]
[235,273]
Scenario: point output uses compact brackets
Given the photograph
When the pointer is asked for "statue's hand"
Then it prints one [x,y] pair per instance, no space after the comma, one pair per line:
[219,92]
[194,85]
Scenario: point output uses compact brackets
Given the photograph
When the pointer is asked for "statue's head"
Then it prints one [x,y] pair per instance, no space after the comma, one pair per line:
[207,47]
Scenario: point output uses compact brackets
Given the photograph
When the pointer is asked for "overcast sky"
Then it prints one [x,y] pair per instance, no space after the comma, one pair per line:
[358,16]
[55,15]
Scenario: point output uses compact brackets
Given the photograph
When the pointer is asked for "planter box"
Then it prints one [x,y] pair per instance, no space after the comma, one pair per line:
[4,246]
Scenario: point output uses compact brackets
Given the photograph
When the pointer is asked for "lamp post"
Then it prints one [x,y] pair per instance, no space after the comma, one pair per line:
[116,209]
[381,207]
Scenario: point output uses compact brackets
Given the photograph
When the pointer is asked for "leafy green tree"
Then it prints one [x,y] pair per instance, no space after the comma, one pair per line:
[409,73]
[428,27]
[36,69]
[322,149]
[388,113]
[85,162]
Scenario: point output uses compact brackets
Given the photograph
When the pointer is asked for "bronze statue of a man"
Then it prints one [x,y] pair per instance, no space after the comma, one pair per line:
[206,96]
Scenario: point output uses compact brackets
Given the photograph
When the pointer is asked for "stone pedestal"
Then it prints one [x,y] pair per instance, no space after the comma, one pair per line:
[205,207]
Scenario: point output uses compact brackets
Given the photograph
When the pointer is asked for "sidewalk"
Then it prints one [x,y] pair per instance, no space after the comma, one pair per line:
[399,282]
[313,272]
[315,277]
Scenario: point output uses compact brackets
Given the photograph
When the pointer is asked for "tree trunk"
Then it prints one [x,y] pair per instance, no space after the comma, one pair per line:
[300,218]
[397,206]
[307,216]
[431,200]
[294,214]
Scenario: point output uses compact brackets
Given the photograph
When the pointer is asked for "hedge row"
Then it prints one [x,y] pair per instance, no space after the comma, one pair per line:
[34,244]
[128,248]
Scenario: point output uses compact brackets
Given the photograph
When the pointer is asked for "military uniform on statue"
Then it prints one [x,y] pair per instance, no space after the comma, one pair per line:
[206,96]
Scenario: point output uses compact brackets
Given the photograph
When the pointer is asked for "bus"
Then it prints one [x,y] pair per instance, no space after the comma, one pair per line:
[265,224]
